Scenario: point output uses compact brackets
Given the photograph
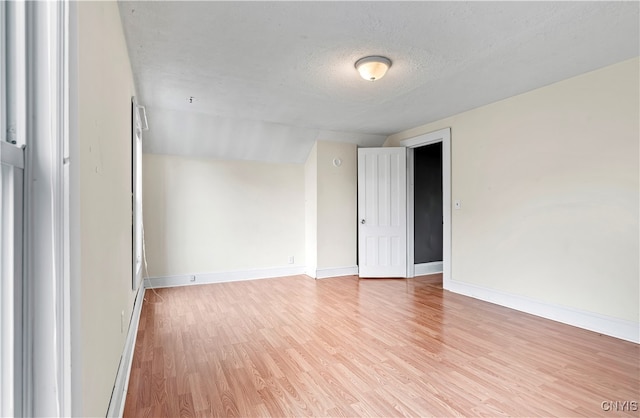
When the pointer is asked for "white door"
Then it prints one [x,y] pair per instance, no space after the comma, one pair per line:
[382,212]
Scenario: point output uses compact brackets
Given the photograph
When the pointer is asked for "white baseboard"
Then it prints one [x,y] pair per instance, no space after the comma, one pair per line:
[119,394]
[325,273]
[427,268]
[614,327]
[311,272]
[223,276]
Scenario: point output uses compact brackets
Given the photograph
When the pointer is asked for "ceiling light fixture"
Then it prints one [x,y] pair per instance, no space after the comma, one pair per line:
[373,68]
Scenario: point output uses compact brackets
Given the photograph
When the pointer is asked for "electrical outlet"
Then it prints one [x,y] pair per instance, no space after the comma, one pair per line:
[291,259]
[122,322]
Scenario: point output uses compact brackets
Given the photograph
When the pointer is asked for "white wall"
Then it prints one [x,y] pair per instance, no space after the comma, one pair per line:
[105,86]
[549,185]
[337,205]
[207,216]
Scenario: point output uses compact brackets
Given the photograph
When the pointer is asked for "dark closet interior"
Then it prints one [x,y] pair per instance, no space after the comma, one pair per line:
[428,203]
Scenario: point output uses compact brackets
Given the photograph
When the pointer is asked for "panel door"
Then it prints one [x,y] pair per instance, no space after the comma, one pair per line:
[382,212]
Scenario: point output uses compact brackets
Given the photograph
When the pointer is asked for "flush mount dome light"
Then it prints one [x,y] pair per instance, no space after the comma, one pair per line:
[373,68]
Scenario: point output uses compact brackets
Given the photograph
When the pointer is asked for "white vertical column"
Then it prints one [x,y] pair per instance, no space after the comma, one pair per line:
[46,344]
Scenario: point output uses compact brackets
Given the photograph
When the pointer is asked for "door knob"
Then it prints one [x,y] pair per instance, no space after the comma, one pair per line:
[362,222]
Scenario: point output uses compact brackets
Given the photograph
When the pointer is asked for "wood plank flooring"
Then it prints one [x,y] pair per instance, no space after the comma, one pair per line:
[294,346]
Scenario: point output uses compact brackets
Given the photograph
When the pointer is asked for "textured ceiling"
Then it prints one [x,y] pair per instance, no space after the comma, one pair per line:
[269,78]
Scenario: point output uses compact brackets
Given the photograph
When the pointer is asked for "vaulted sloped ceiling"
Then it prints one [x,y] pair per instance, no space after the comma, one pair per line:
[269,78]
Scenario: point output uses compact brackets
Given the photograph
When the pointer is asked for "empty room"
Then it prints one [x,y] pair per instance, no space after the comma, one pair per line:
[320,208]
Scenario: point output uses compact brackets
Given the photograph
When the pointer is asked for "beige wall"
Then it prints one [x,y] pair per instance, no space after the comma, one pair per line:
[311,210]
[105,87]
[205,216]
[330,211]
[337,202]
[549,184]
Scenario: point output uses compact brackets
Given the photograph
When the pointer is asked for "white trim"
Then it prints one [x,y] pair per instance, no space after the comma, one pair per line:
[411,206]
[64,286]
[136,193]
[444,136]
[614,327]
[426,139]
[11,271]
[325,273]
[310,271]
[12,155]
[446,208]
[73,238]
[119,394]
[222,276]
[47,356]
[4,19]
[428,268]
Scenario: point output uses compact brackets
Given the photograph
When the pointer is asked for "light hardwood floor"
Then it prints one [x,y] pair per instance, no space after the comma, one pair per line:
[294,346]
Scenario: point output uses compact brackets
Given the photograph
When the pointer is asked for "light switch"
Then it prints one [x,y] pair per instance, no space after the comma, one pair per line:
[457,204]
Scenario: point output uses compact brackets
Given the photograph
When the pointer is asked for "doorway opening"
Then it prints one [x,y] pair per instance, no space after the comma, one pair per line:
[420,248]
[427,213]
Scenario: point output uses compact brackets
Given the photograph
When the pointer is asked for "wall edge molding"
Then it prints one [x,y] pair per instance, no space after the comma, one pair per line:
[119,394]
[591,321]
[310,271]
[325,273]
[428,268]
[223,276]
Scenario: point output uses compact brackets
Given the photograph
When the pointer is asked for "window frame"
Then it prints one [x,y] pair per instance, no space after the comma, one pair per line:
[12,192]
[136,193]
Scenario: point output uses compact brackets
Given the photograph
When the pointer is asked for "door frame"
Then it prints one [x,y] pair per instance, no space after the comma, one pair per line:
[443,136]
